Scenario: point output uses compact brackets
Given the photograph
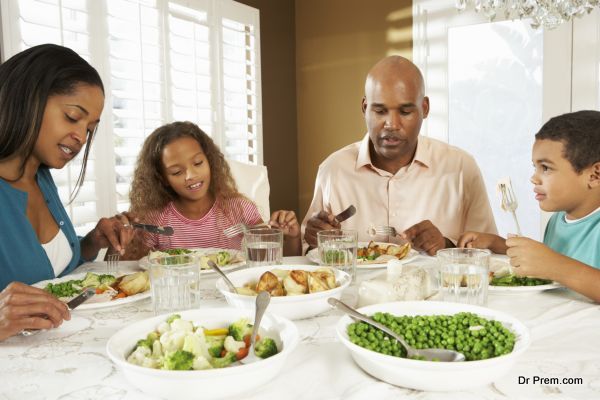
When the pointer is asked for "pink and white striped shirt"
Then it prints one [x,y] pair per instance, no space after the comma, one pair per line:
[204,232]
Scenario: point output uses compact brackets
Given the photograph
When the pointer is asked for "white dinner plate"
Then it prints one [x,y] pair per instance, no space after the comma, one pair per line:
[313,255]
[235,254]
[498,261]
[97,301]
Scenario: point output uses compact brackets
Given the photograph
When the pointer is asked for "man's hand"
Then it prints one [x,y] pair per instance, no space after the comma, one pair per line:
[532,258]
[319,222]
[480,240]
[26,307]
[425,236]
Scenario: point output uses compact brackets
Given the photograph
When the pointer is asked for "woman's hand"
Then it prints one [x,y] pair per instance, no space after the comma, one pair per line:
[26,307]
[287,222]
[115,232]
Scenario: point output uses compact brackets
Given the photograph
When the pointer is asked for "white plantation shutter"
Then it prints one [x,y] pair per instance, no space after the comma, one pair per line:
[160,61]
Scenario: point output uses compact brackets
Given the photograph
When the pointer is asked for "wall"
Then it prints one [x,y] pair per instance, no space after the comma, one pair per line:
[337,41]
[278,69]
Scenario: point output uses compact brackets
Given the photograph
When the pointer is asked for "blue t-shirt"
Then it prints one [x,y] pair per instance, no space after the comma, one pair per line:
[22,257]
[579,240]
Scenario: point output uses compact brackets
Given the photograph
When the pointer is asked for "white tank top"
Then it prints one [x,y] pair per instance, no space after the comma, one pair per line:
[59,252]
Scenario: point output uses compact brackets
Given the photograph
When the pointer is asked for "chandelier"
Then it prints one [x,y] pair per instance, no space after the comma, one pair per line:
[546,13]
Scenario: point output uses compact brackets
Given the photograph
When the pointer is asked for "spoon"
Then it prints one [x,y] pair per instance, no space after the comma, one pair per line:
[262,301]
[225,278]
[411,352]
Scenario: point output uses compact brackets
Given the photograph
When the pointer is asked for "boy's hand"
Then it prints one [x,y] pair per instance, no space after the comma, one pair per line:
[531,258]
[287,222]
[480,240]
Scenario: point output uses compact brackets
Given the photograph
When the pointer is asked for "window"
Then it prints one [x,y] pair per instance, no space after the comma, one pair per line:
[160,61]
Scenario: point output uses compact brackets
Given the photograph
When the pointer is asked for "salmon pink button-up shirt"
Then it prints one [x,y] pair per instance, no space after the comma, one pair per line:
[442,184]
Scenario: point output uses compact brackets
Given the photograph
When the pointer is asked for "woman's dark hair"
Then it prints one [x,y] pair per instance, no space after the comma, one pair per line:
[579,133]
[27,80]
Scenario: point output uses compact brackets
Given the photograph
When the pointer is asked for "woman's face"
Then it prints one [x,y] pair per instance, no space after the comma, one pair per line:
[67,123]
[186,168]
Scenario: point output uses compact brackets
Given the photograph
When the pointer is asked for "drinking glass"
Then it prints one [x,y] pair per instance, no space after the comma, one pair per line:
[263,246]
[175,283]
[337,249]
[464,275]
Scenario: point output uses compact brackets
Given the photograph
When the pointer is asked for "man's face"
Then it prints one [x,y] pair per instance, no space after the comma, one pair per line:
[394,108]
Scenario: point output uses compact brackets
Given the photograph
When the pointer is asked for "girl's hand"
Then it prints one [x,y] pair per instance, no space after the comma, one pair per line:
[26,307]
[287,222]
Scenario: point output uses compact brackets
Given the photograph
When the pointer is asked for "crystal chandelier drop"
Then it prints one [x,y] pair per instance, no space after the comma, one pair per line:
[546,13]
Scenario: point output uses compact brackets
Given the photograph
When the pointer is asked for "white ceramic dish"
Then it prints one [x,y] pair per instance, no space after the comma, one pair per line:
[499,261]
[98,301]
[292,307]
[313,256]
[145,264]
[428,375]
[205,384]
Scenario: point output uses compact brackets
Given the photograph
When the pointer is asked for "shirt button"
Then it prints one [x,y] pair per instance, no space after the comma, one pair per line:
[61,223]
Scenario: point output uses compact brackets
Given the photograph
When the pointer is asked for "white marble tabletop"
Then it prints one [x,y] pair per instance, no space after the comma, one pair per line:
[70,363]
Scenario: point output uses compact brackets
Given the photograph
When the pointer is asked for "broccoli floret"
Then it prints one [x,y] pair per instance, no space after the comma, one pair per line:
[215,345]
[106,279]
[152,336]
[240,328]
[223,258]
[173,318]
[180,360]
[223,362]
[144,343]
[91,279]
[265,348]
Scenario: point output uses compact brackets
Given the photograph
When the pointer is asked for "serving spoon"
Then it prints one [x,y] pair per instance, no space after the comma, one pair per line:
[262,302]
[427,354]
[225,278]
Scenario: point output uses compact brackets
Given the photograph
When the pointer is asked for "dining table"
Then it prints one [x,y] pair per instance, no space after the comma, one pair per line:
[71,362]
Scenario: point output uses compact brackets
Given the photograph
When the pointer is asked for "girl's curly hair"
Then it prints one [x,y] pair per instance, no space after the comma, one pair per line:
[149,189]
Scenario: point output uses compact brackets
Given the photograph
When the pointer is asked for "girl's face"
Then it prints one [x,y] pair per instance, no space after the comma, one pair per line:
[66,125]
[186,168]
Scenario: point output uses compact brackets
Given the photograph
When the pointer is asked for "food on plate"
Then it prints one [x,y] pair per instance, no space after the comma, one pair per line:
[474,336]
[281,282]
[108,285]
[380,252]
[219,257]
[503,276]
[178,344]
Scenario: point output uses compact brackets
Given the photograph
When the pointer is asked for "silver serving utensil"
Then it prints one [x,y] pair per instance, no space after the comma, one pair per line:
[411,352]
[262,302]
[225,278]
[161,230]
[72,304]
[347,213]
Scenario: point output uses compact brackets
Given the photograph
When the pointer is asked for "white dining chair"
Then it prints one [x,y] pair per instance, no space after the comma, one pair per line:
[253,182]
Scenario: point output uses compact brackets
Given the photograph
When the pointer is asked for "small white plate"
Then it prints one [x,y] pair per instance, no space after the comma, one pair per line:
[145,264]
[97,301]
[498,261]
[313,255]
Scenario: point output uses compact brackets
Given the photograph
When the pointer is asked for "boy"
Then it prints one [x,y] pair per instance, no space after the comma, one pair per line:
[566,157]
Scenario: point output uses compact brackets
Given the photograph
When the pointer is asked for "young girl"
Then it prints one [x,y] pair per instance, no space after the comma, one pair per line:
[182,180]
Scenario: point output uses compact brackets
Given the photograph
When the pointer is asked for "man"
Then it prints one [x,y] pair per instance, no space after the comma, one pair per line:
[429,191]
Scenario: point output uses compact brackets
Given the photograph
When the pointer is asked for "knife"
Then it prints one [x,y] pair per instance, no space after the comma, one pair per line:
[83,296]
[161,230]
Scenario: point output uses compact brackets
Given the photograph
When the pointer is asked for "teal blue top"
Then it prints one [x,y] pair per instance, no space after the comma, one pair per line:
[579,240]
[22,257]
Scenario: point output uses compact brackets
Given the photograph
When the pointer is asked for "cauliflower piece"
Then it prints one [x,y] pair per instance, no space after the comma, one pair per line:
[233,346]
[193,344]
[163,327]
[139,355]
[157,349]
[201,363]
[172,340]
[182,325]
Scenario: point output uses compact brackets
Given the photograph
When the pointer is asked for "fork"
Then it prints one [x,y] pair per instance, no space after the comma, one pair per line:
[237,229]
[509,202]
[262,302]
[383,231]
[112,263]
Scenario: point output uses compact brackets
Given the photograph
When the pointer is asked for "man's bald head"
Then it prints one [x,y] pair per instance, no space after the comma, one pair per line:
[390,70]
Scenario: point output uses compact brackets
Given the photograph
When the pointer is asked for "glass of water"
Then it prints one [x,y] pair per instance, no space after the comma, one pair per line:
[263,246]
[464,275]
[175,283]
[337,249]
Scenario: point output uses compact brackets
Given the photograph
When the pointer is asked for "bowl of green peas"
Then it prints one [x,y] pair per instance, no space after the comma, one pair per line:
[491,341]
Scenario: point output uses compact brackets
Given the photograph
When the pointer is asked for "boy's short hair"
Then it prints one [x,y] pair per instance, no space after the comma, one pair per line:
[579,132]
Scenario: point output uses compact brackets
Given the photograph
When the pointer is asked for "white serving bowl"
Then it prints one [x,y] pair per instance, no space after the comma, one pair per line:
[292,307]
[430,375]
[204,384]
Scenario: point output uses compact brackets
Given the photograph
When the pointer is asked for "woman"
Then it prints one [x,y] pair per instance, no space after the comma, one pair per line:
[50,105]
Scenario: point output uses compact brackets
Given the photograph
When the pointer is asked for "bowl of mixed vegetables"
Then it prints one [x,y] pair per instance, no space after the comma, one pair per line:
[195,354]
[490,340]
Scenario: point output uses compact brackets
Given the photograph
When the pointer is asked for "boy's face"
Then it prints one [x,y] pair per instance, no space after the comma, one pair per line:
[557,186]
